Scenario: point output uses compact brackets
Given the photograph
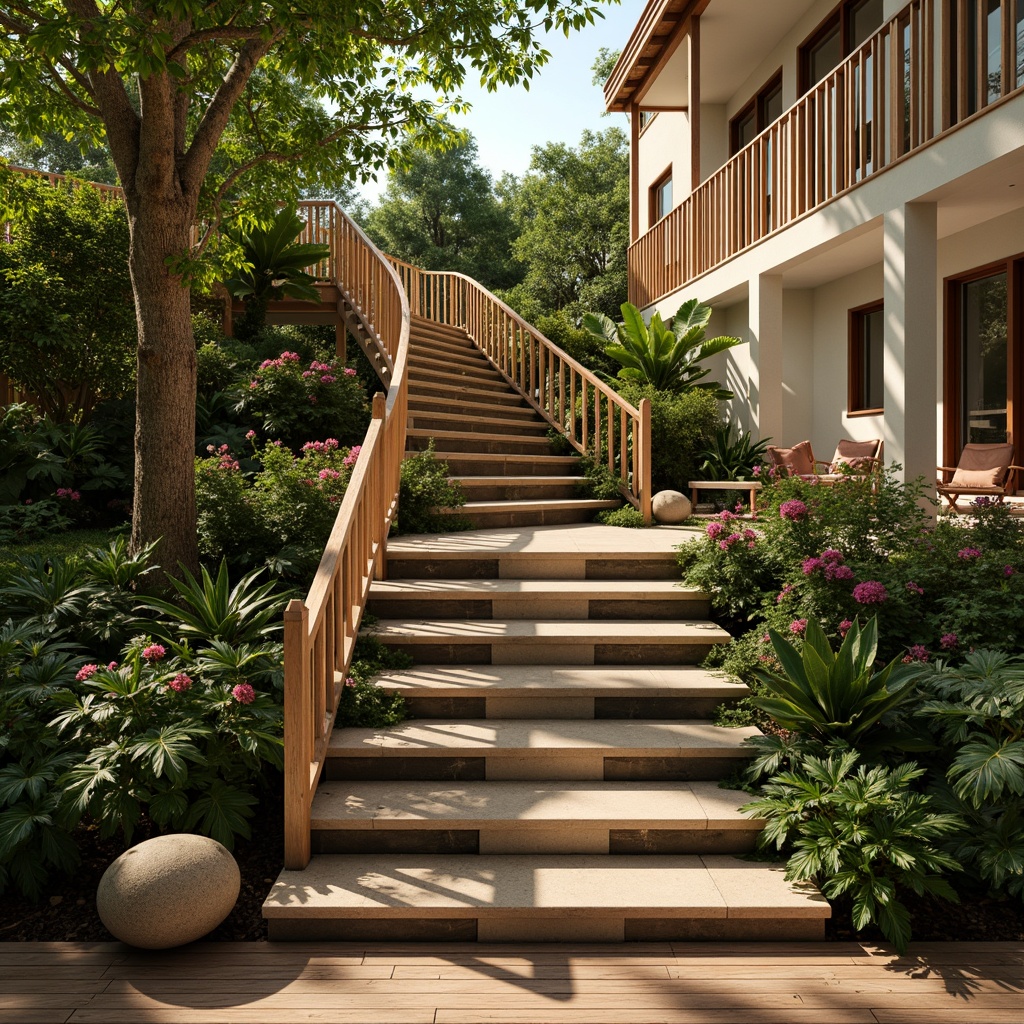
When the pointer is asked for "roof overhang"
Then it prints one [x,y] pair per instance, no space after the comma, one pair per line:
[654,40]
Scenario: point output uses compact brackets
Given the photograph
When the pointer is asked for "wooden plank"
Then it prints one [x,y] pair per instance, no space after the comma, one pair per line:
[249,1015]
[33,1016]
[570,1015]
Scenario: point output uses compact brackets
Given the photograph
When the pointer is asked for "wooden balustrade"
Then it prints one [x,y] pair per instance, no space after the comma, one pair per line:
[875,108]
[320,632]
[596,420]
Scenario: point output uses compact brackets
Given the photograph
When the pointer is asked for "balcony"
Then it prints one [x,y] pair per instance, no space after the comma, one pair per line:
[875,109]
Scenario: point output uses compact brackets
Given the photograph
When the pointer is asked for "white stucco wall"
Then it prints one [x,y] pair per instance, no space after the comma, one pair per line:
[665,142]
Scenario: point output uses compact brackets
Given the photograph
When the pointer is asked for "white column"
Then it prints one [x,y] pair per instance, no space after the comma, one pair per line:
[765,325]
[911,339]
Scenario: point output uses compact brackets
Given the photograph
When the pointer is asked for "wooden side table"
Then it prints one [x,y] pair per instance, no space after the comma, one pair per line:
[750,486]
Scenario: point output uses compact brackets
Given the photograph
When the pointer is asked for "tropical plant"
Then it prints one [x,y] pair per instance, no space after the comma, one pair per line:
[833,696]
[863,834]
[274,268]
[732,457]
[665,354]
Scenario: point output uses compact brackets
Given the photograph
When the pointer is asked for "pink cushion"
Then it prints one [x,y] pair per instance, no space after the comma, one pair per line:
[796,461]
[856,454]
[983,465]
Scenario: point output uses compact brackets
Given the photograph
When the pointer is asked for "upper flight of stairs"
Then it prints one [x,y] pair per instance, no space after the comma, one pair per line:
[495,445]
[558,780]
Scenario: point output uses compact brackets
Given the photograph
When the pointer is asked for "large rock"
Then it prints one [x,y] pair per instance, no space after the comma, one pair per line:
[168,891]
[670,507]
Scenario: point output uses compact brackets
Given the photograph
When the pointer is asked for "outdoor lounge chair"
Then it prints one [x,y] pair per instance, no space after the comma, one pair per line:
[983,470]
[850,457]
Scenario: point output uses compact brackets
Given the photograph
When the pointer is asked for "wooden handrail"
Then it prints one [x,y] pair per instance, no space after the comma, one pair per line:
[877,107]
[320,632]
[596,420]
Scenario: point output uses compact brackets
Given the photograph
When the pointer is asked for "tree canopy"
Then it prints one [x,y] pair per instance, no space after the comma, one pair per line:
[328,86]
[440,211]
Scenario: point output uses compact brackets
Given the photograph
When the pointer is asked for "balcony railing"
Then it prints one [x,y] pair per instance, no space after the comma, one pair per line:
[874,109]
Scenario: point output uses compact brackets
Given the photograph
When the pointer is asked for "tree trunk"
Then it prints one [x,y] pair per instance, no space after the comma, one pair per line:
[165,408]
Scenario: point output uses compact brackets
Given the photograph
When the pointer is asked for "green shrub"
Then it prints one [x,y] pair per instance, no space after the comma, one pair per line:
[732,456]
[426,488]
[627,516]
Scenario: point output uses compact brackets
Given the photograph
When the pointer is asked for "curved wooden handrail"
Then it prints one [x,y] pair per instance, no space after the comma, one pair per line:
[596,420]
[320,632]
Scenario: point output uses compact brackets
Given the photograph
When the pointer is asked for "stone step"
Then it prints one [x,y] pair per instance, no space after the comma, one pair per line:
[557,642]
[569,552]
[561,691]
[418,438]
[502,898]
[531,817]
[528,599]
[486,515]
[508,464]
[464,392]
[473,422]
[539,749]
[520,488]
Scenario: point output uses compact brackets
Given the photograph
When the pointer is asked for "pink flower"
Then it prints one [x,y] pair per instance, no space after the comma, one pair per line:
[832,555]
[916,653]
[784,592]
[766,639]
[306,374]
[328,378]
[756,472]
[154,652]
[797,626]
[870,592]
[180,683]
[968,553]
[726,516]
[349,372]
[724,545]
[112,666]
[838,572]
[714,529]
[949,642]
[349,681]
[243,693]
[66,492]
[914,588]
[793,510]
[86,672]
[312,399]
[250,435]
[811,564]
[253,384]
[289,357]
[845,626]
[1008,570]
[749,535]
[328,474]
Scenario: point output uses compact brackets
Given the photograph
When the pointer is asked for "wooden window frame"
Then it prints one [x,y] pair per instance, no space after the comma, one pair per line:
[652,196]
[756,106]
[952,370]
[840,13]
[855,361]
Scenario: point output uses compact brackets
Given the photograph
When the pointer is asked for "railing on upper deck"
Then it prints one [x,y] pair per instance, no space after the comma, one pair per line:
[595,419]
[875,108]
[320,632]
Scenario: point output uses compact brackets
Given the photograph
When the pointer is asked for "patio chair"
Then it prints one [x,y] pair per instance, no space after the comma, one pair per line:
[850,457]
[983,470]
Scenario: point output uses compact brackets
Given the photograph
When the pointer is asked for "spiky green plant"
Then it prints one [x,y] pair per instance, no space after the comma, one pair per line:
[666,354]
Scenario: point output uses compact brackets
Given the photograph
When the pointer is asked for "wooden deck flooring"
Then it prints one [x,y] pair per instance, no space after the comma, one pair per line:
[658,983]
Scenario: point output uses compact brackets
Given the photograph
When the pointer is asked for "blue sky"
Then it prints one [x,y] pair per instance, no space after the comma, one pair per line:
[561,102]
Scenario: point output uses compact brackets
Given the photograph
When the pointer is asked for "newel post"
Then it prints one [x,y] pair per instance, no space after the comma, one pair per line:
[644,483]
[298,736]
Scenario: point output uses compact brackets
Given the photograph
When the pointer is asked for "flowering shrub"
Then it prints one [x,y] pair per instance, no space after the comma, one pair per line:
[280,516]
[292,401]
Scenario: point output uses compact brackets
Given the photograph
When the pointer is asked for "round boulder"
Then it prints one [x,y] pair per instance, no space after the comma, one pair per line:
[168,891]
[670,507]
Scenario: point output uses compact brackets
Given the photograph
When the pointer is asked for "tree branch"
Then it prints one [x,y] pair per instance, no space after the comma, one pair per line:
[206,35]
[69,95]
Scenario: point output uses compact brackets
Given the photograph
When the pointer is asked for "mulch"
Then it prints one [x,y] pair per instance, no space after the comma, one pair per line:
[67,912]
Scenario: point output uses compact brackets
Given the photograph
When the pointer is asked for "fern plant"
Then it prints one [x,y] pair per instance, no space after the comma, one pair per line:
[665,354]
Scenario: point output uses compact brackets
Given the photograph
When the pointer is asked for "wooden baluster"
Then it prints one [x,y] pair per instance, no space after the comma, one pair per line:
[298,736]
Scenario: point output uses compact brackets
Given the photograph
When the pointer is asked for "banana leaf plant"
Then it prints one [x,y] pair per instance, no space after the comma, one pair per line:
[665,354]
[274,268]
[833,696]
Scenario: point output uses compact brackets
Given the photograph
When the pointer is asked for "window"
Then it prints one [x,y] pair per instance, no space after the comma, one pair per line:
[764,109]
[646,117]
[852,23]
[867,356]
[986,53]
[660,198]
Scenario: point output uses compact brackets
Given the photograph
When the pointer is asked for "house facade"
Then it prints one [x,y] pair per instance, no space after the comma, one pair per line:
[844,184]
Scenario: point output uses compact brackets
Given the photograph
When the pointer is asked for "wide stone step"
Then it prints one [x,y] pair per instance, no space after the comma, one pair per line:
[559,642]
[478,423]
[519,488]
[532,512]
[561,691]
[591,551]
[531,817]
[541,749]
[530,599]
[542,899]
[417,439]
[505,464]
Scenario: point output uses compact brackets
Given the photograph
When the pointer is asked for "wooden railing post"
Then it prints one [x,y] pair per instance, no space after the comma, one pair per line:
[298,735]
[643,486]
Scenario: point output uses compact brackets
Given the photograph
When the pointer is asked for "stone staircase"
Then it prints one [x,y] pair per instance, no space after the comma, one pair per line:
[559,778]
[495,445]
